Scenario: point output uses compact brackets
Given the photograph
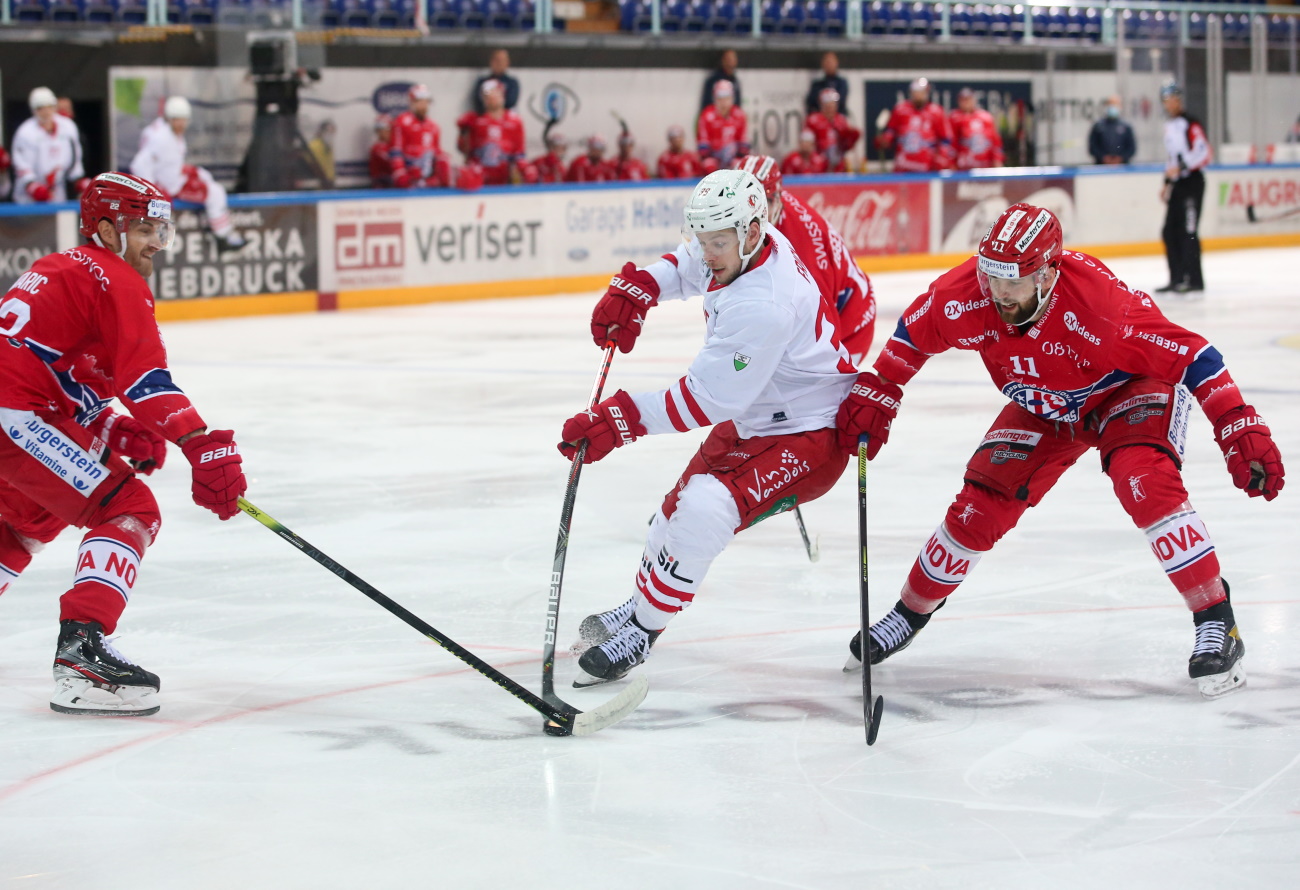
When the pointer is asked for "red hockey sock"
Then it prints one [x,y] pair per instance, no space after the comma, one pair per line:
[108,566]
[942,564]
[14,556]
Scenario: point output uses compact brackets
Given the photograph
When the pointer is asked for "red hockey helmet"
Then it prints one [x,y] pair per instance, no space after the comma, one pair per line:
[121,199]
[1023,240]
[766,170]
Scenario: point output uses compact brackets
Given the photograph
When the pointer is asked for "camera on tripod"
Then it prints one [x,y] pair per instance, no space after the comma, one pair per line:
[278,158]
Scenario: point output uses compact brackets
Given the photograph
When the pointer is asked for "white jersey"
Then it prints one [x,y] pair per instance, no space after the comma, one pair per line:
[49,159]
[1186,145]
[161,158]
[771,361]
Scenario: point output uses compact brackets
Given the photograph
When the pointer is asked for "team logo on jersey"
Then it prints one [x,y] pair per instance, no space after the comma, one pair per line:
[1044,402]
[953,309]
[740,361]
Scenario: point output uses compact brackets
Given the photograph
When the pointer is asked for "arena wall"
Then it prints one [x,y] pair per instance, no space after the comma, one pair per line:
[341,250]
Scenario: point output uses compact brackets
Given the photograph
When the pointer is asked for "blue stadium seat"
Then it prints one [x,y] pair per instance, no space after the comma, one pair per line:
[981,21]
[1196,26]
[1279,28]
[1074,23]
[198,12]
[900,18]
[771,14]
[1092,25]
[877,18]
[1000,23]
[63,11]
[744,20]
[394,13]
[814,20]
[791,17]
[132,12]
[1058,23]
[721,15]
[472,15]
[1017,22]
[837,16]
[921,20]
[698,12]
[959,21]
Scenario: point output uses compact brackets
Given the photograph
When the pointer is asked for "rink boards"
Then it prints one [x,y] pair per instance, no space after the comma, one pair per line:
[322,251]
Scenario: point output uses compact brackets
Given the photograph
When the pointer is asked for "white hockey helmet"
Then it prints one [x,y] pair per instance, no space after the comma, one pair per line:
[41,97]
[727,199]
[177,106]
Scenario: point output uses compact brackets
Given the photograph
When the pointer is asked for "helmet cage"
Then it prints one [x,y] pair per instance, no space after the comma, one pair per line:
[726,199]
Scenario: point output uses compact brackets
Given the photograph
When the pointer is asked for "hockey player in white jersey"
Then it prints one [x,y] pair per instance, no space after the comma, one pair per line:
[46,152]
[161,160]
[769,379]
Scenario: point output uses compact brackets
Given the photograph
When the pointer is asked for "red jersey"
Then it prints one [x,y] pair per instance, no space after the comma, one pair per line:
[584,169]
[414,150]
[678,165]
[549,167]
[631,170]
[847,296]
[795,164]
[493,142]
[89,336]
[835,137]
[722,138]
[975,137]
[921,137]
[1096,334]
[381,166]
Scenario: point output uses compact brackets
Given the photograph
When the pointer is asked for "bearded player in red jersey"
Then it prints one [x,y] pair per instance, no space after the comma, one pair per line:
[846,291]
[918,132]
[414,150]
[81,332]
[1087,362]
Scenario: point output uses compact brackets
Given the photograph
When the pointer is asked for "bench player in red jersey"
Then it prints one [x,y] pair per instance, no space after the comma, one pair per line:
[81,332]
[846,291]
[1086,362]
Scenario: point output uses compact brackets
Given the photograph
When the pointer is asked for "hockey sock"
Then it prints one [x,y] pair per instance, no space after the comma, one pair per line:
[14,556]
[701,526]
[939,568]
[108,566]
[1182,545]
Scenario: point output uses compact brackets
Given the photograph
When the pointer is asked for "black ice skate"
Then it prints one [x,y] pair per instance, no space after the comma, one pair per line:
[890,634]
[596,629]
[1215,664]
[91,677]
[228,243]
[612,659]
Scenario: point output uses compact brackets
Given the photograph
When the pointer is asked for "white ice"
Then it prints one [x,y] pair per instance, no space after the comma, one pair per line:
[1041,733]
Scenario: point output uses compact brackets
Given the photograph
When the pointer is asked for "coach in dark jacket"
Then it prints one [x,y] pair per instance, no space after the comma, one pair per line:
[1111,139]
[830,80]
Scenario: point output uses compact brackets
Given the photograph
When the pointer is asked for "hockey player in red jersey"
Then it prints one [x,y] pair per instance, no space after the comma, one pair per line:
[918,132]
[494,140]
[722,132]
[975,134]
[550,166]
[592,167]
[771,375]
[628,167]
[1087,362]
[82,332]
[381,166]
[805,159]
[676,162]
[846,291]
[834,136]
[417,158]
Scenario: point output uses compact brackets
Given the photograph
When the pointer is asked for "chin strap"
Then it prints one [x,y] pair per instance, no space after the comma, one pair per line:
[121,251]
[746,257]
[1042,299]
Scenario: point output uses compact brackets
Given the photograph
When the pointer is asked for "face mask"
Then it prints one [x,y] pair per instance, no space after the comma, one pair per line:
[1112,111]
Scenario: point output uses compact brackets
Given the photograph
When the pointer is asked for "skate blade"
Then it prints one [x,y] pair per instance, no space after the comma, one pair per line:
[1219,685]
[81,697]
[853,664]
[584,680]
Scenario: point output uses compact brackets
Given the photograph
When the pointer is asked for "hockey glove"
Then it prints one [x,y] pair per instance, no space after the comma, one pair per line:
[611,424]
[870,408]
[128,437]
[38,191]
[218,480]
[1252,455]
[631,294]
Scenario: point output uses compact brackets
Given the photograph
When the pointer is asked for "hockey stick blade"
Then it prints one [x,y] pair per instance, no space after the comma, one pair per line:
[873,728]
[562,718]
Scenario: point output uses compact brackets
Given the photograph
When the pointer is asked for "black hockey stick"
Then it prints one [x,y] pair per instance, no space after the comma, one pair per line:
[563,718]
[812,548]
[1253,217]
[562,544]
[871,708]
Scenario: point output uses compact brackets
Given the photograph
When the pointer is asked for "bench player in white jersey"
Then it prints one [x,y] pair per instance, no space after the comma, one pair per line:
[769,379]
[161,160]
[46,152]
[1086,362]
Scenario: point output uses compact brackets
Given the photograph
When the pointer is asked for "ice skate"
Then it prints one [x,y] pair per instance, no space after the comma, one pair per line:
[890,634]
[612,659]
[1215,664]
[91,677]
[229,243]
[596,629]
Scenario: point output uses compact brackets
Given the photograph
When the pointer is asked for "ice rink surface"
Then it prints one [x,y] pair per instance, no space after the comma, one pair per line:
[1041,732]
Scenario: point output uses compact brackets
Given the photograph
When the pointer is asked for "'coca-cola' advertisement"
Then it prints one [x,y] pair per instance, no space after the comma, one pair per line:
[875,219]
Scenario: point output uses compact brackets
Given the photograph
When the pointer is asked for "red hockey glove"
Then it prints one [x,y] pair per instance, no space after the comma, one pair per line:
[4,159]
[405,178]
[38,191]
[631,293]
[870,408]
[1252,455]
[128,437]
[611,424]
[218,480]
